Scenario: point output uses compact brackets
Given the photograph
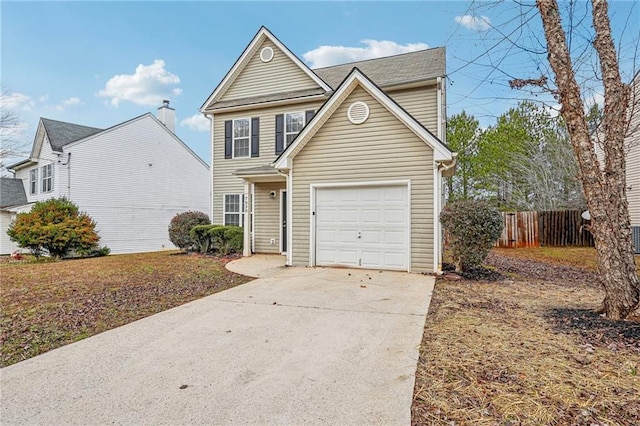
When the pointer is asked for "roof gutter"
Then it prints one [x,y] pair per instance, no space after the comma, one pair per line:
[448,167]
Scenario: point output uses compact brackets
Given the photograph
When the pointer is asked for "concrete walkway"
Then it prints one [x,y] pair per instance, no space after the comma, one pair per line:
[299,346]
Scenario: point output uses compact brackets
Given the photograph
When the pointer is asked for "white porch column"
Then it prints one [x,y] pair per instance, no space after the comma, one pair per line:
[247,220]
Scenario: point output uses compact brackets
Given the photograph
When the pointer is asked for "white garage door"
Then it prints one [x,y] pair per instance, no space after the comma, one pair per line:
[365,227]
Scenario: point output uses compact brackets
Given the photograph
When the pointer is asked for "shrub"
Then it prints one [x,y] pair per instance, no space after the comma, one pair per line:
[474,227]
[181,225]
[200,236]
[218,239]
[55,226]
[94,252]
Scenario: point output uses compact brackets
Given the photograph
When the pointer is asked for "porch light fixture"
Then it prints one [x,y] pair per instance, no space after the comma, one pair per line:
[272,195]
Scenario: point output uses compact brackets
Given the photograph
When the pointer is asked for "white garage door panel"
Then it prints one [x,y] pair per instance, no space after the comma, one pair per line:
[362,227]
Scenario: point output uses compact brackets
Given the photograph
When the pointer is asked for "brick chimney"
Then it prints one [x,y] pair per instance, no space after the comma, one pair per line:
[167,116]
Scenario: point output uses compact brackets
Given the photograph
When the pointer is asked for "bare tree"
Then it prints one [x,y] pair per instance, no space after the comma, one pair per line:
[11,145]
[604,185]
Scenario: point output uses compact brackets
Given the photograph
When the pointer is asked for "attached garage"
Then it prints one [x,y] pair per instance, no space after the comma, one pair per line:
[362,226]
[364,190]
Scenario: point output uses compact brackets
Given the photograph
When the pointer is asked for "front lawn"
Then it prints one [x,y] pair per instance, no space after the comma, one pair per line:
[528,349]
[48,305]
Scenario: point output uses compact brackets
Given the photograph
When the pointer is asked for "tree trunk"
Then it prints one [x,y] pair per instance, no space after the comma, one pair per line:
[604,189]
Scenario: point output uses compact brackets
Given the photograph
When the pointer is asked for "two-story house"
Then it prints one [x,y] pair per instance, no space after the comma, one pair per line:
[131,178]
[333,166]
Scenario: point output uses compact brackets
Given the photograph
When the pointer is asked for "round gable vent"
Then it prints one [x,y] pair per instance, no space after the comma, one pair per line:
[358,112]
[266,54]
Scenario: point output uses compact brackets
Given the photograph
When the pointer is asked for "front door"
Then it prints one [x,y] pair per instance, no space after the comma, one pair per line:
[283,216]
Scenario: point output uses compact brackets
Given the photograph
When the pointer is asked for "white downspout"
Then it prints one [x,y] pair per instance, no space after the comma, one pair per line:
[246,251]
[253,216]
[439,98]
[211,121]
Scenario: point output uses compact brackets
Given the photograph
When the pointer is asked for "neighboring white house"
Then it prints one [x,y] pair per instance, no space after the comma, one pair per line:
[131,178]
[632,148]
[13,200]
[632,143]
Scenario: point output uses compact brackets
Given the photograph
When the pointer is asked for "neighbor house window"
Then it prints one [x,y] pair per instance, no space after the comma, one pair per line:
[47,177]
[293,123]
[241,137]
[33,181]
[234,209]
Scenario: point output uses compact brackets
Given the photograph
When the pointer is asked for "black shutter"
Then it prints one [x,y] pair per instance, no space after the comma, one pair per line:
[228,145]
[308,115]
[279,134]
[255,137]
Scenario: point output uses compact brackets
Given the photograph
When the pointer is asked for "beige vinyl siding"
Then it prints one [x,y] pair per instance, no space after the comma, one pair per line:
[380,149]
[224,182]
[267,219]
[263,78]
[421,103]
[633,159]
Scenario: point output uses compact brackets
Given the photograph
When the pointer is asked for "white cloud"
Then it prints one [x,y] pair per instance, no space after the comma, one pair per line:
[73,101]
[325,56]
[476,23]
[149,85]
[43,98]
[197,123]
[15,100]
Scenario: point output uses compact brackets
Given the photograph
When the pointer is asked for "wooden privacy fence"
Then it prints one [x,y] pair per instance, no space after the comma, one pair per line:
[545,228]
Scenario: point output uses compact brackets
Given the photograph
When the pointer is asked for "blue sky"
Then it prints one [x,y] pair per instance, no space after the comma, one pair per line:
[101,63]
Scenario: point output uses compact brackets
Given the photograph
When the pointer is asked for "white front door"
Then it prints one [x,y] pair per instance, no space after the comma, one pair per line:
[362,227]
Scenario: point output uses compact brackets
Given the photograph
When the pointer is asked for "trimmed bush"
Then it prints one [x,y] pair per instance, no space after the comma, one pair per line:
[201,239]
[473,227]
[95,252]
[54,226]
[181,225]
[218,239]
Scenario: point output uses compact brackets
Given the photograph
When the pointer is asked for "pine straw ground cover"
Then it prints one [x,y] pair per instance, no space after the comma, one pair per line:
[48,305]
[527,348]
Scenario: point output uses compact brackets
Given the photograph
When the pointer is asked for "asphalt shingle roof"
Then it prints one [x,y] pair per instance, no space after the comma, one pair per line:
[12,192]
[397,69]
[61,133]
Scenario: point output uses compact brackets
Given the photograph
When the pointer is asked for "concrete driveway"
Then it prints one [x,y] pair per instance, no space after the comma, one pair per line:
[298,346]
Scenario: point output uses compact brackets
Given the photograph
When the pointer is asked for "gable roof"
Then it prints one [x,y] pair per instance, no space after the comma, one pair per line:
[12,192]
[441,152]
[61,133]
[246,56]
[140,117]
[391,70]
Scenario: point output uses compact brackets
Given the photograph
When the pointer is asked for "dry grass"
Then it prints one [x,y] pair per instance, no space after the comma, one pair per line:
[509,353]
[47,305]
[581,257]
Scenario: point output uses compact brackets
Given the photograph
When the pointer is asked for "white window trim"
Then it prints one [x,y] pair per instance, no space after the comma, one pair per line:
[43,178]
[33,181]
[233,138]
[242,211]
[304,123]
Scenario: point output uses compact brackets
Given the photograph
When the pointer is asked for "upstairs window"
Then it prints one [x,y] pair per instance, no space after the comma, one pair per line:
[293,123]
[241,138]
[33,181]
[47,177]
[234,209]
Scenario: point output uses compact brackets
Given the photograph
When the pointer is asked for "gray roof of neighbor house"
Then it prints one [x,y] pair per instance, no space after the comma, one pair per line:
[397,69]
[12,192]
[61,133]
